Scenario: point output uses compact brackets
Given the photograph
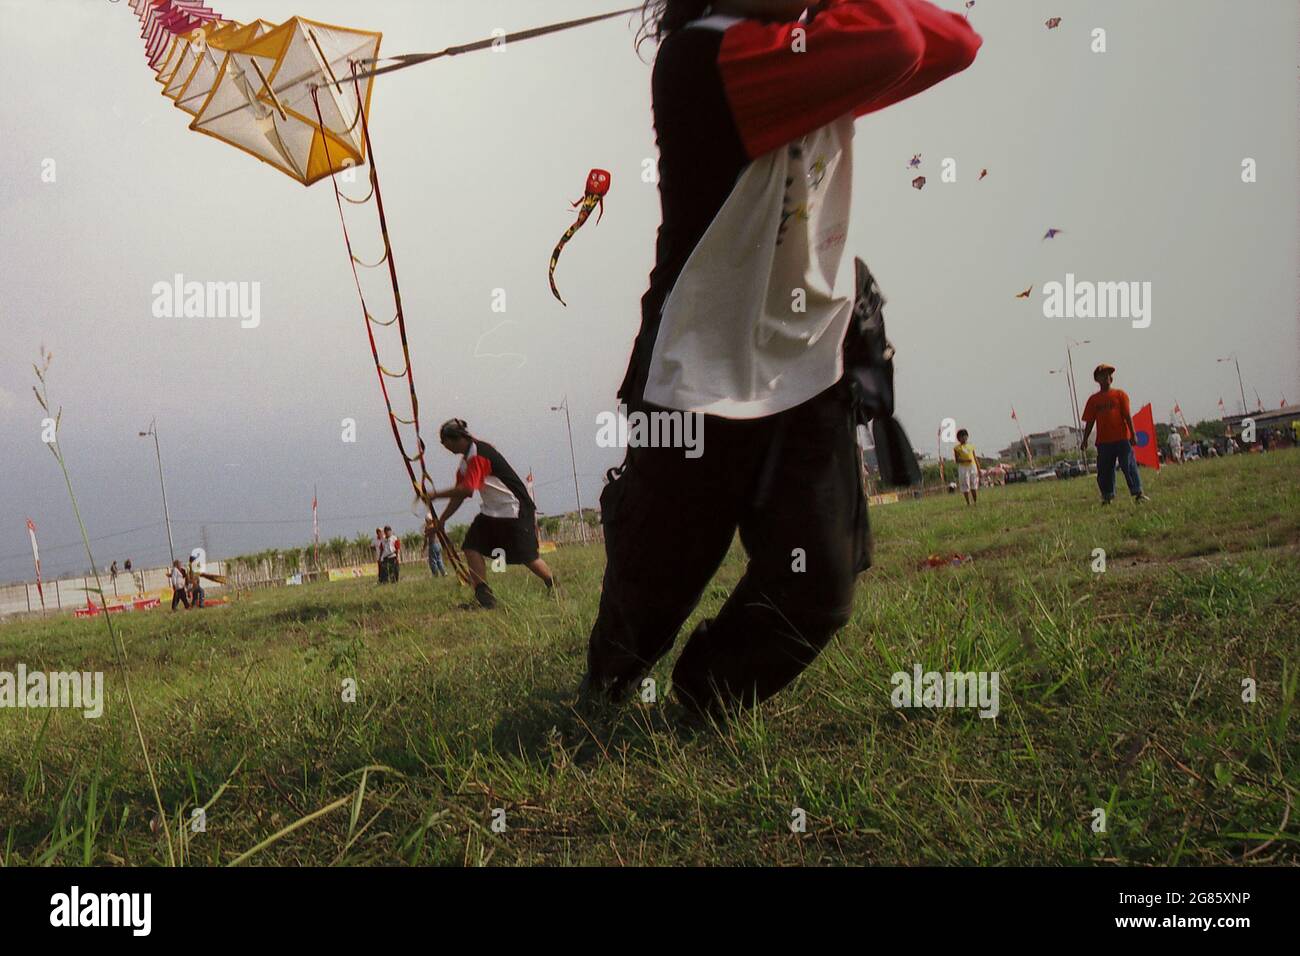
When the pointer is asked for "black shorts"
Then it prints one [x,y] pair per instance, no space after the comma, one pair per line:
[515,537]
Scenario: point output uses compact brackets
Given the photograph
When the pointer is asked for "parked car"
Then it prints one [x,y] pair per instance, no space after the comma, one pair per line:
[1015,475]
[1042,474]
[1070,469]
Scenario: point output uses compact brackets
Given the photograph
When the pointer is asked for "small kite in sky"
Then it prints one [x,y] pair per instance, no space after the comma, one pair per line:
[1025,294]
[983,173]
[914,162]
[918,182]
[1052,233]
[1053,23]
[597,186]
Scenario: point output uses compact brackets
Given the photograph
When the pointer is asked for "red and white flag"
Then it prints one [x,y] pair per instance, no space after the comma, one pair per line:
[1029,455]
[36,560]
[1179,412]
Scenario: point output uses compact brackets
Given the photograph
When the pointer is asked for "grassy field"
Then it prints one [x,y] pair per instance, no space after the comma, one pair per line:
[1120,690]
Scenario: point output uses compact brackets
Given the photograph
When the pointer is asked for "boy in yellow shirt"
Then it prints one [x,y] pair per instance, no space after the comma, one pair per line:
[968,467]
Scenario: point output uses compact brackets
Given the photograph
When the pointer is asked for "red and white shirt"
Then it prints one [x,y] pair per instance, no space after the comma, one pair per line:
[746,310]
[501,493]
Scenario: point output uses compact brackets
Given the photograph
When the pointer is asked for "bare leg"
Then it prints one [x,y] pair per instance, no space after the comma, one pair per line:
[539,568]
[478,579]
[477,568]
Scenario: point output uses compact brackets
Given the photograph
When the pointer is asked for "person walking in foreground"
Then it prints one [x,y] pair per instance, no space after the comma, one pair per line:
[744,324]
[504,527]
[176,578]
[433,549]
[1108,409]
[968,467]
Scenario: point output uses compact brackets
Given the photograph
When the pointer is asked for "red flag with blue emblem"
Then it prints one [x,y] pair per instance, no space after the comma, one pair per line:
[1144,427]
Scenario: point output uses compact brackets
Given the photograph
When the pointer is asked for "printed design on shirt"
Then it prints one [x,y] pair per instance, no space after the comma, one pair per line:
[817,172]
[800,207]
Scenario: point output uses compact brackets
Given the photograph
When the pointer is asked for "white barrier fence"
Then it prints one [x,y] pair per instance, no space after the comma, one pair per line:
[71,594]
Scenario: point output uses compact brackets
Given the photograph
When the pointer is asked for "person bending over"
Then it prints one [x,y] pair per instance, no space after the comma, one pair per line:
[504,528]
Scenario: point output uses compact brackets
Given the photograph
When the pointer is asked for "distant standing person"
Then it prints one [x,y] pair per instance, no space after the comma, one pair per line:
[1175,446]
[387,557]
[1108,409]
[176,578]
[377,546]
[968,467]
[505,525]
[194,585]
[433,548]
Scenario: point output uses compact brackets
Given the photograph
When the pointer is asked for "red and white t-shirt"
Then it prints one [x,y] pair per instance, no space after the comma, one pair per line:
[502,494]
[746,310]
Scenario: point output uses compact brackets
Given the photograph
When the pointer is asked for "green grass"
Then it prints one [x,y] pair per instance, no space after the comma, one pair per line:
[1120,690]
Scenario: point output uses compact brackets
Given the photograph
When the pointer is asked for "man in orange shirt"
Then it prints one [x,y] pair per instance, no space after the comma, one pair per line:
[1107,408]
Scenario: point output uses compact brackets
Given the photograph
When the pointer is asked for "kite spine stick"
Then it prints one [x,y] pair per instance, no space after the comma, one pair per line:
[325,62]
[270,92]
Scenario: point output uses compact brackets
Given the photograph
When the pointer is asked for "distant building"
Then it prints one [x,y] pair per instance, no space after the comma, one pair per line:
[1284,418]
[1058,441]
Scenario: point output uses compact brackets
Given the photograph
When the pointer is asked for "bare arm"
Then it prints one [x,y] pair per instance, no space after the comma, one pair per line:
[455,498]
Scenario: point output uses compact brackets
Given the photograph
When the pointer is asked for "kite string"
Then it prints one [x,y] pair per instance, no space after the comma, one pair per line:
[422,484]
[411,59]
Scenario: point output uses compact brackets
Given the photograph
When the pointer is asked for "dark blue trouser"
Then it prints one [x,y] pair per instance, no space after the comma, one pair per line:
[435,561]
[1112,455]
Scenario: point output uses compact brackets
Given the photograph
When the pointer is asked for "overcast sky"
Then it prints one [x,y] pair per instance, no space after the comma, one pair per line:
[1135,153]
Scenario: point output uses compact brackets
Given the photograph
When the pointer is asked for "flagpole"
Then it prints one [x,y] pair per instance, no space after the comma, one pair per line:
[1074,393]
[315,531]
[36,560]
[582,524]
[1028,454]
[167,517]
[1241,386]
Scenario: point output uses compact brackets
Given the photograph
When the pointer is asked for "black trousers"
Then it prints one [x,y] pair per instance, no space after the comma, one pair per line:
[179,597]
[791,484]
